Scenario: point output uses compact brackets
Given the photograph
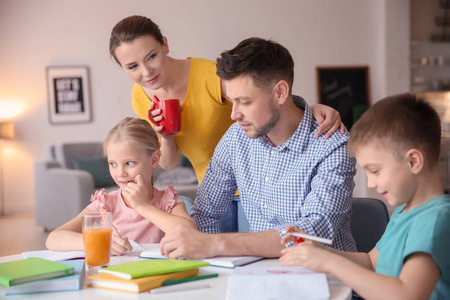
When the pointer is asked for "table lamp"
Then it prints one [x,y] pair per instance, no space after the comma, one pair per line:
[6,133]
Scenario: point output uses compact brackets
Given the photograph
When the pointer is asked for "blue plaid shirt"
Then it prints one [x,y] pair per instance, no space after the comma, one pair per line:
[306,182]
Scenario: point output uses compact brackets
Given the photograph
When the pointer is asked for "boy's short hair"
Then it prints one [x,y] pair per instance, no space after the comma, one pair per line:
[266,61]
[399,123]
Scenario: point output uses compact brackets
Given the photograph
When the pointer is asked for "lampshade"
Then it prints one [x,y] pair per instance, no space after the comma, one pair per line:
[6,130]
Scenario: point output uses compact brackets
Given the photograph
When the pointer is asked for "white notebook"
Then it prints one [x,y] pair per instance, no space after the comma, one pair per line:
[66,255]
[54,255]
[219,261]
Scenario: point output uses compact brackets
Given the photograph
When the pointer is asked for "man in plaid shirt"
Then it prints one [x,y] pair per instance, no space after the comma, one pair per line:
[284,173]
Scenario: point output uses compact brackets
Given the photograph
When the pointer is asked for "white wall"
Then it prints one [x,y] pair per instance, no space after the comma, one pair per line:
[36,34]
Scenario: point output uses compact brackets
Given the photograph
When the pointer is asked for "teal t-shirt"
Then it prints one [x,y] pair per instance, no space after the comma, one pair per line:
[423,229]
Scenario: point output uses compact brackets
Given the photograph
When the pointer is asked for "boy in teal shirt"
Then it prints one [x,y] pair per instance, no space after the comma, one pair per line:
[397,143]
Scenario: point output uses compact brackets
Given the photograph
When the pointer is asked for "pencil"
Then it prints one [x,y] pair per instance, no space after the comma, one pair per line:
[102,211]
[193,278]
[178,288]
[310,237]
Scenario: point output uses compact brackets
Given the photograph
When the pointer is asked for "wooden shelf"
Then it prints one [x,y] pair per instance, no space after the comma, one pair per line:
[420,66]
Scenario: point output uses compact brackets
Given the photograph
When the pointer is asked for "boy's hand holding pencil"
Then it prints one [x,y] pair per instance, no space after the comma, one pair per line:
[296,235]
[308,251]
[301,236]
[290,238]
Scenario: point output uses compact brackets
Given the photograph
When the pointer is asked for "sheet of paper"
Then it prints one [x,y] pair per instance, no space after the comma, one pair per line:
[136,248]
[277,283]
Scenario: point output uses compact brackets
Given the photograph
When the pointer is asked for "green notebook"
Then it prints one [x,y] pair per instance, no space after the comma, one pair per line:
[65,283]
[150,267]
[31,269]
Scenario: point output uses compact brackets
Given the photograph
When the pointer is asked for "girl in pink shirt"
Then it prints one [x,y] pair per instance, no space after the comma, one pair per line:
[139,211]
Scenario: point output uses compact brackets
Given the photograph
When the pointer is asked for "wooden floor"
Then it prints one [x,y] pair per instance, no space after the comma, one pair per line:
[19,233]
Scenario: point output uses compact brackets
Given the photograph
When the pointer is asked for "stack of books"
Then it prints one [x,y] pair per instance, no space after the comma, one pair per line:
[37,275]
[143,275]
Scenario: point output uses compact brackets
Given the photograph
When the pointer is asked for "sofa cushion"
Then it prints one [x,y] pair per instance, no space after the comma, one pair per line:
[98,167]
[66,153]
[176,176]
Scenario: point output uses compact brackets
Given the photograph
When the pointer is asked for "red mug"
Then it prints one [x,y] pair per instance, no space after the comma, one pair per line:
[171,115]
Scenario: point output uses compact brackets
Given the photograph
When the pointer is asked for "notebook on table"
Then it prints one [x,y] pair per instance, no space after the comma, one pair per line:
[66,255]
[112,282]
[219,261]
[59,284]
[143,268]
[54,255]
[31,269]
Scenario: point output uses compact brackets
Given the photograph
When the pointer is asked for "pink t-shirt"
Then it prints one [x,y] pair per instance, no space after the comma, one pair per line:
[127,221]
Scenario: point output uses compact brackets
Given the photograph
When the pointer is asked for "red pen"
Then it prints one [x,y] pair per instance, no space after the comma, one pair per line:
[309,237]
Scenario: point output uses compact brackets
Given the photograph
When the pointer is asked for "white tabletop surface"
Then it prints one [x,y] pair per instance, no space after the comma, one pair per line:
[216,291]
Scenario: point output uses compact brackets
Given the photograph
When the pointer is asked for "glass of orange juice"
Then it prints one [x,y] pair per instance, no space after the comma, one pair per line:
[97,239]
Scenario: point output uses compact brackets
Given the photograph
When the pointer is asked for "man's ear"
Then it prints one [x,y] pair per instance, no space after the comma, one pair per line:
[155,158]
[282,91]
[415,160]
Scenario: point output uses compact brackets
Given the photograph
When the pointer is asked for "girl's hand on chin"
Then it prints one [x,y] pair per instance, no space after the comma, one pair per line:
[136,193]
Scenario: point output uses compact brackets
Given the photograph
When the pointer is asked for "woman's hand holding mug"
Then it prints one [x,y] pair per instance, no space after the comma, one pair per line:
[169,116]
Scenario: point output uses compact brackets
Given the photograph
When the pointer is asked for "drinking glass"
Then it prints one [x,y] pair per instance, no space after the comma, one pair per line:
[97,239]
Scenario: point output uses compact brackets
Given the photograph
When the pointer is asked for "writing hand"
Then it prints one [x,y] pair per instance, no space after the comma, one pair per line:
[120,245]
[309,254]
[291,238]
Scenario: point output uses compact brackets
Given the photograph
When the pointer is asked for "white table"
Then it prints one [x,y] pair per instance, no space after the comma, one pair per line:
[217,290]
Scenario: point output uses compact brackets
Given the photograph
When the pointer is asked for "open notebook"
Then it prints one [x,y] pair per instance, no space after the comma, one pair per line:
[219,261]
[67,255]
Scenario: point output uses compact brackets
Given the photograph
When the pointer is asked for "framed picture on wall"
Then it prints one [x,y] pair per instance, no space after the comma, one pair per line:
[68,94]
[346,89]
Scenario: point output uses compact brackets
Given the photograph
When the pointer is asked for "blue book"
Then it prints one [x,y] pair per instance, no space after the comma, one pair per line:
[67,283]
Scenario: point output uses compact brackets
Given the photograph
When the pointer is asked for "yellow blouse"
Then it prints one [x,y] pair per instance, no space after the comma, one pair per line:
[205,117]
